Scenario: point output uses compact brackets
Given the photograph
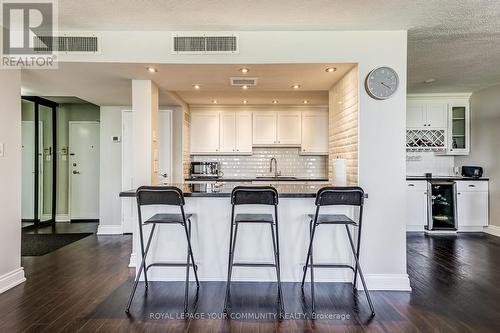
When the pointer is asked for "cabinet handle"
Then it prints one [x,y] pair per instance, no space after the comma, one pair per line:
[472,185]
[459,193]
[411,185]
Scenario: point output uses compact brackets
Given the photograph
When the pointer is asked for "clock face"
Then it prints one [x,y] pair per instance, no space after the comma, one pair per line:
[382,82]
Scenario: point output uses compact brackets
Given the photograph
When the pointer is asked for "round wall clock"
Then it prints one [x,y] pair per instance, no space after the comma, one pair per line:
[382,83]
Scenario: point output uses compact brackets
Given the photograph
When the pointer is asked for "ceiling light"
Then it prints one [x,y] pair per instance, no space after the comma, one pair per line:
[430,80]
[196,86]
[244,87]
[305,101]
[275,102]
[214,101]
[151,69]
[245,101]
[244,70]
[296,86]
[331,69]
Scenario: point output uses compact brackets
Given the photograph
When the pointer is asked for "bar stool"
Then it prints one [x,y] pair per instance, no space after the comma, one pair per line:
[254,195]
[337,196]
[165,196]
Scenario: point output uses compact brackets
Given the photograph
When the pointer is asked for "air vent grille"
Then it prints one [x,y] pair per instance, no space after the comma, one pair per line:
[66,44]
[205,44]
[244,81]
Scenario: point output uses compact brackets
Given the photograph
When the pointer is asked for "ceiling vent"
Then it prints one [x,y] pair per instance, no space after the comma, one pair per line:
[244,81]
[204,44]
[67,44]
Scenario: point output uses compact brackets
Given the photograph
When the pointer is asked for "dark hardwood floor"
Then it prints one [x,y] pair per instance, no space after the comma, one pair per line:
[84,287]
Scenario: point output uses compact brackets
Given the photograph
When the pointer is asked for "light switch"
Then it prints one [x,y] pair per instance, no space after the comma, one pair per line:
[1,149]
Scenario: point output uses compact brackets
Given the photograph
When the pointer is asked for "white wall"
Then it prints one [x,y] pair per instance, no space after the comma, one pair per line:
[11,272]
[110,174]
[485,135]
[382,164]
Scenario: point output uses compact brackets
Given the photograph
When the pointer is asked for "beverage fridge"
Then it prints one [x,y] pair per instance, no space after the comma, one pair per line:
[442,209]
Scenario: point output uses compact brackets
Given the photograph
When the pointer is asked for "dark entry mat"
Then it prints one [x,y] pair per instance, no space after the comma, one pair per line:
[40,244]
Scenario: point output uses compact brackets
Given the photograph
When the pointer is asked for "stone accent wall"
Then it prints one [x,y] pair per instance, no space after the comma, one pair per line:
[343,124]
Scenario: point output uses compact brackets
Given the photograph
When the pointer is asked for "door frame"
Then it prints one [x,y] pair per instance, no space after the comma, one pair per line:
[69,162]
[36,119]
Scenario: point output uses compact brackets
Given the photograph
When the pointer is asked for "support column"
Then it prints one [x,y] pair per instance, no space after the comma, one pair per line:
[145,132]
[11,272]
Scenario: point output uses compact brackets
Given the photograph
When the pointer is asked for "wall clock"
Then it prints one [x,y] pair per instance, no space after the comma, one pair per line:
[382,83]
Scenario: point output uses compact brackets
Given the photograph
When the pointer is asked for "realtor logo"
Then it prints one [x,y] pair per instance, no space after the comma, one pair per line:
[27,36]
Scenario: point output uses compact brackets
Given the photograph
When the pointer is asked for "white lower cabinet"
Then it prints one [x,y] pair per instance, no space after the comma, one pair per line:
[472,204]
[416,205]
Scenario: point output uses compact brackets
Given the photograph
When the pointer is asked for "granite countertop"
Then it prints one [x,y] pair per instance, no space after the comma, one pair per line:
[447,178]
[264,179]
[223,190]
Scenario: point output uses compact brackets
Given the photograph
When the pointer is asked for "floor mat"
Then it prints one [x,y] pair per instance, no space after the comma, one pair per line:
[40,244]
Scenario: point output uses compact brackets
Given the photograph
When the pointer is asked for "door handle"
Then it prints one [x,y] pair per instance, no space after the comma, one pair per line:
[76,172]
[164,175]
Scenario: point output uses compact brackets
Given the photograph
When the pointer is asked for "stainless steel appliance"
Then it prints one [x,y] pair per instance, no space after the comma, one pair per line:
[442,208]
[205,170]
[472,171]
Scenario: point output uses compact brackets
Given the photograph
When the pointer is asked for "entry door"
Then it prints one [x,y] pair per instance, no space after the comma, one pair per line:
[84,170]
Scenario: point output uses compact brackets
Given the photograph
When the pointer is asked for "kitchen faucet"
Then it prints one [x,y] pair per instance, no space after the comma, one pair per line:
[276,172]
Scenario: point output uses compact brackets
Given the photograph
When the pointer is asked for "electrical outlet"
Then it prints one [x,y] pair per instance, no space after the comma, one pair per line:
[1,149]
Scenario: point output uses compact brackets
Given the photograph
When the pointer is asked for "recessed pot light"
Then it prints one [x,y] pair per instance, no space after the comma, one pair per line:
[330,69]
[305,101]
[151,69]
[296,86]
[245,101]
[244,70]
[244,87]
[196,86]
[430,80]
[275,102]
[214,101]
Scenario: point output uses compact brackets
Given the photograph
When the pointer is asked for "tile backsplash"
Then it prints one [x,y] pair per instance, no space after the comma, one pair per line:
[418,163]
[290,163]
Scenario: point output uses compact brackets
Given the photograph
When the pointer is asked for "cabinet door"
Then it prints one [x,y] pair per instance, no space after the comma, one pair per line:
[459,129]
[289,128]
[437,115]
[227,132]
[415,114]
[472,209]
[244,132]
[264,128]
[204,132]
[416,205]
[314,132]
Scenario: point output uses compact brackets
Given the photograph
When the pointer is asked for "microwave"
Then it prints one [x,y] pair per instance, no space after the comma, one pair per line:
[205,170]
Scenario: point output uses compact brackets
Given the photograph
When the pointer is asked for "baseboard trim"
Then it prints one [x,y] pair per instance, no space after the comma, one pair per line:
[492,230]
[12,279]
[386,282]
[109,230]
[132,261]
[63,218]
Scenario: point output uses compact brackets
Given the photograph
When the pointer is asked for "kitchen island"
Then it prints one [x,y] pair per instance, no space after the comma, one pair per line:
[211,208]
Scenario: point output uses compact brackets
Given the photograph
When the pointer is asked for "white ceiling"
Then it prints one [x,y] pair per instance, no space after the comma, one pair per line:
[110,83]
[455,42]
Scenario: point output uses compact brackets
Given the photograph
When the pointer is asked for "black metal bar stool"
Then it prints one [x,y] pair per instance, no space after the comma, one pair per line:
[166,196]
[337,196]
[254,195]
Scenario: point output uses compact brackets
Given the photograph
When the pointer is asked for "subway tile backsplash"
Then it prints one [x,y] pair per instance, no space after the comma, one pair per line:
[290,163]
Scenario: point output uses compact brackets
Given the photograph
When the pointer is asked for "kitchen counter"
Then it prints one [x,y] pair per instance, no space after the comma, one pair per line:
[222,190]
[258,179]
[455,178]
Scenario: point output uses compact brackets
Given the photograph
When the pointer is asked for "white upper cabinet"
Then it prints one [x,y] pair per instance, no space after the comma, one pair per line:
[277,128]
[426,115]
[314,133]
[289,128]
[459,128]
[227,132]
[204,132]
[243,132]
[264,128]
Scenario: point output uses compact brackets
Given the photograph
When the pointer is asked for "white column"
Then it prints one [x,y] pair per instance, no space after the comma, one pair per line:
[145,132]
[11,272]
